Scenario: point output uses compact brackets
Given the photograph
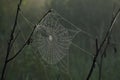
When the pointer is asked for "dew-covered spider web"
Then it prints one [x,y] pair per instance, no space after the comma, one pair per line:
[53,37]
[52,41]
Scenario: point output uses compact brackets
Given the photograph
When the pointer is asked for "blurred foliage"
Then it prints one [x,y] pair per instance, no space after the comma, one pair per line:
[93,16]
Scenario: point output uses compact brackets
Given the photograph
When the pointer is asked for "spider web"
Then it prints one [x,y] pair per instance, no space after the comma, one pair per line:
[51,23]
[52,39]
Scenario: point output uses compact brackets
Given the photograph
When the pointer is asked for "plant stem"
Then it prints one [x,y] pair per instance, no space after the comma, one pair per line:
[103,43]
[10,41]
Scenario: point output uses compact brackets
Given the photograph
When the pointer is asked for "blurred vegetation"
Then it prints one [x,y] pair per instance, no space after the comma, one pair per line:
[93,16]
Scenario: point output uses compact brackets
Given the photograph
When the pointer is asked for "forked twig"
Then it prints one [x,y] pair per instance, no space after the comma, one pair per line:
[103,42]
[26,42]
[10,40]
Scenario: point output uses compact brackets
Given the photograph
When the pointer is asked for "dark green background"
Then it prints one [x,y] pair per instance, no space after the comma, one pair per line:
[93,16]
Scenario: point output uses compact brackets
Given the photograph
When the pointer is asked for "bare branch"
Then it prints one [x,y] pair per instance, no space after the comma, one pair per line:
[27,39]
[94,61]
[101,58]
[10,40]
[103,42]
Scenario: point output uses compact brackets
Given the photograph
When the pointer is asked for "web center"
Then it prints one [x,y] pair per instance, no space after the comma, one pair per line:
[50,37]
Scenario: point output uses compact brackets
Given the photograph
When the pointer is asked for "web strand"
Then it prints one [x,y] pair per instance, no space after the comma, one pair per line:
[80,30]
[88,34]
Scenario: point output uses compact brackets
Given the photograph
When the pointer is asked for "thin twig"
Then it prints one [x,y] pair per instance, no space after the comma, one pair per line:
[94,60]
[104,52]
[27,39]
[103,42]
[10,40]
[101,58]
